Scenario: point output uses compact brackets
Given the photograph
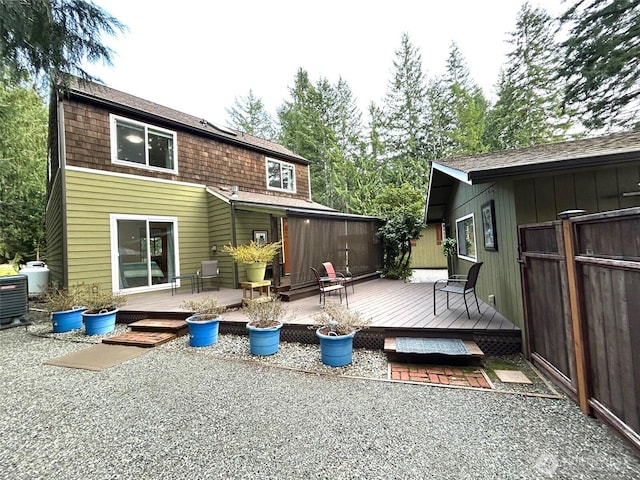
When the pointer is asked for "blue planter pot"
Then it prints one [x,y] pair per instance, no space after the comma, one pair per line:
[202,333]
[336,350]
[99,323]
[67,320]
[264,341]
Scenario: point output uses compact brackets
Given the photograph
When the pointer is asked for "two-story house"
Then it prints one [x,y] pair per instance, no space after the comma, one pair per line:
[139,193]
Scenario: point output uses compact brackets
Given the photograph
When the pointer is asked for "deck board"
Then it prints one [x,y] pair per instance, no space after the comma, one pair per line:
[390,304]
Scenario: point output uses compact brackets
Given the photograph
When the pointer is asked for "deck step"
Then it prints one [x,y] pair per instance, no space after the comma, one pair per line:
[178,327]
[433,350]
[141,339]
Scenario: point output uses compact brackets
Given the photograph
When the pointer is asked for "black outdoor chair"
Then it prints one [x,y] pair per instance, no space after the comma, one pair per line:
[460,285]
[327,286]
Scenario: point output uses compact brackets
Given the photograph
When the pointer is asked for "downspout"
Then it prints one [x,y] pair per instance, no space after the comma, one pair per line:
[232,203]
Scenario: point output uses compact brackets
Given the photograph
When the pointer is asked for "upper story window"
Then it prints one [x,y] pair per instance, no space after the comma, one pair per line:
[142,144]
[466,238]
[281,175]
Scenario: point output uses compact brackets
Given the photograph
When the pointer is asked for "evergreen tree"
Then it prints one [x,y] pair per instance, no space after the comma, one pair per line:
[404,130]
[249,115]
[602,62]
[466,108]
[53,37]
[23,170]
[529,106]
[323,124]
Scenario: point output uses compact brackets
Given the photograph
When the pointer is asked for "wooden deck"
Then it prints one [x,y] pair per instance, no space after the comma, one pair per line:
[394,308]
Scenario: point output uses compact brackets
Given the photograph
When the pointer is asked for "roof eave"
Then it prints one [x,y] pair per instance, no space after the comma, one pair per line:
[480,176]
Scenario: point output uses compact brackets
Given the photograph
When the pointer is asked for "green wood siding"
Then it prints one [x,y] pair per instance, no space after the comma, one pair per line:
[428,253]
[219,236]
[500,274]
[540,199]
[246,223]
[92,197]
[54,222]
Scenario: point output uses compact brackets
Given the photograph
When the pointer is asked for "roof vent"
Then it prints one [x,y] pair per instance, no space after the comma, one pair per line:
[205,123]
[234,191]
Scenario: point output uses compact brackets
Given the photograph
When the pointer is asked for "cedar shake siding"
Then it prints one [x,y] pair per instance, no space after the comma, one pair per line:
[199,160]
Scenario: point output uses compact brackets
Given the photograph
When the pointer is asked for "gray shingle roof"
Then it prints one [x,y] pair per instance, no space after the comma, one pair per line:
[552,156]
[265,199]
[104,95]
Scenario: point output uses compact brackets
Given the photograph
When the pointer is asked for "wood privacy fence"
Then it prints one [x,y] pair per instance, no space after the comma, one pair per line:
[581,281]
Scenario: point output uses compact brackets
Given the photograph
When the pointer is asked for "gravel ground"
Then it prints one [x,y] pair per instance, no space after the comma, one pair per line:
[173,413]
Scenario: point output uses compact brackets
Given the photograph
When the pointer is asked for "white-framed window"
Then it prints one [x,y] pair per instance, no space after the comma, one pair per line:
[466,237]
[281,175]
[139,144]
[144,252]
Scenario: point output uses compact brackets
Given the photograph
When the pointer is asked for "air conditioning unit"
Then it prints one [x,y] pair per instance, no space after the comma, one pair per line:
[14,298]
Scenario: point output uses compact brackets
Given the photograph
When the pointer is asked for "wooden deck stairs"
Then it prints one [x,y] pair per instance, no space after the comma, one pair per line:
[433,350]
[150,333]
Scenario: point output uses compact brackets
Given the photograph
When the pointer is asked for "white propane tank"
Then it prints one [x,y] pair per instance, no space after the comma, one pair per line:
[38,277]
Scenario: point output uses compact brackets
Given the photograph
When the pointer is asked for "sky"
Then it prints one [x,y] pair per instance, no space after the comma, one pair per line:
[198,56]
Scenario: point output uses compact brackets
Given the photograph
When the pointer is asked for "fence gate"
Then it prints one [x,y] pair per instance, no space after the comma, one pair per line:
[544,278]
[581,281]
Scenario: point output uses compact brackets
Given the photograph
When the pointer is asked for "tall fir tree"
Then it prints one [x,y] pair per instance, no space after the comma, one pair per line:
[529,106]
[323,124]
[52,38]
[249,115]
[404,129]
[467,108]
[602,62]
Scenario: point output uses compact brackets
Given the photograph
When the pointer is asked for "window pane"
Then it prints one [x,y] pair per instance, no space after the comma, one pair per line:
[274,175]
[160,150]
[132,257]
[466,237]
[287,177]
[130,140]
[470,237]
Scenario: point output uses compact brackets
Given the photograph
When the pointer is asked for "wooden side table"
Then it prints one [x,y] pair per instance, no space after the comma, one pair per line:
[249,289]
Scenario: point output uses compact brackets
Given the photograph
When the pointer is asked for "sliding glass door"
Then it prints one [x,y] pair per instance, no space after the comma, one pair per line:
[144,251]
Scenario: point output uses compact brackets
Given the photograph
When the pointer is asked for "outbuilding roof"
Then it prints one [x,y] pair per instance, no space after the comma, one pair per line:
[553,157]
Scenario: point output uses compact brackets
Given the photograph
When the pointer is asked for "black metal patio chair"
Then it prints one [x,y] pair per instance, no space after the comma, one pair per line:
[459,285]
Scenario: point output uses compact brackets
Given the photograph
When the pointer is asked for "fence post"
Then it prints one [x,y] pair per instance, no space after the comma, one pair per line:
[582,379]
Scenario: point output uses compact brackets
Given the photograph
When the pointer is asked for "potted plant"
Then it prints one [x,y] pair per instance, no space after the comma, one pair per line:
[204,322]
[102,306]
[449,249]
[64,308]
[255,255]
[335,328]
[265,316]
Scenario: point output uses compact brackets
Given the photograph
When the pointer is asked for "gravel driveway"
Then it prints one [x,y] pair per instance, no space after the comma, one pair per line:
[172,414]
